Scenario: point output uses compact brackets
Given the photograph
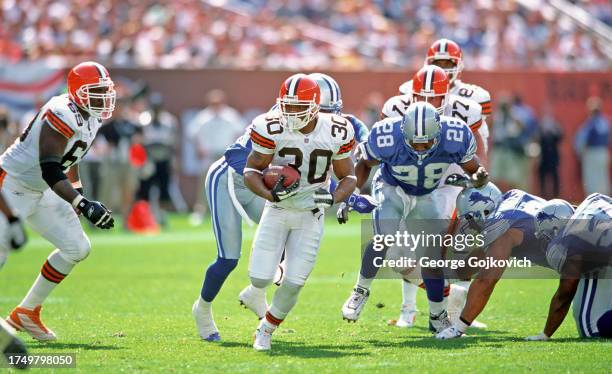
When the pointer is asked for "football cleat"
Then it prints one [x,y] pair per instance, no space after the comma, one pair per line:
[205,322]
[440,322]
[263,339]
[456,302]
[12,347]
[407,317]
[449,333]
[22,319]
[354,304]
[255,300]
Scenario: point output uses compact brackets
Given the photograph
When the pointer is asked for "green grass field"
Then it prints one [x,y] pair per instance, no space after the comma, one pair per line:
[128,308]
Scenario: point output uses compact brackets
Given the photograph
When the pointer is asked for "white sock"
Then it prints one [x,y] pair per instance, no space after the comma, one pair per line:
[437,307]
[364,282]
[204,304]
[267,325]
[55,268]
[464,284]
[409,294]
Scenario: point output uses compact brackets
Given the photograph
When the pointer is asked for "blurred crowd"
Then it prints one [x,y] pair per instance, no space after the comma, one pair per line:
[298,34]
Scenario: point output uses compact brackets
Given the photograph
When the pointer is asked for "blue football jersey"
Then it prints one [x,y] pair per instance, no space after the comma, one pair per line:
[401,166]
[517,210]
[588,233]
[236,154]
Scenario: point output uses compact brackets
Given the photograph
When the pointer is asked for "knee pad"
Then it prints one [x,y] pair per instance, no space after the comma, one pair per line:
[78,251]
[260,283]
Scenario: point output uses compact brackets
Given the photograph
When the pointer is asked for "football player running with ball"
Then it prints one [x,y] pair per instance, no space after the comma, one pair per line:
[414,152]
[34,183]
[293,219]
[230,202]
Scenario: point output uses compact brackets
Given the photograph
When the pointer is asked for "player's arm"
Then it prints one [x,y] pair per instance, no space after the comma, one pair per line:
[562,299]
[253,174]
[470,162]
[16,231]
[51,148]
[75,178]
[363,169]
[560,304]
[482,287]
[345,172]
[481,150]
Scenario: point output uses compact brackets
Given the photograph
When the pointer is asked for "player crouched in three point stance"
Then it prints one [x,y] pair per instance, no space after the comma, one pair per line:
[34,183]
[293,218]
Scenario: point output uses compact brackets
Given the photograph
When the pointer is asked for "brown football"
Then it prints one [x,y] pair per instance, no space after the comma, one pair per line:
[271,175]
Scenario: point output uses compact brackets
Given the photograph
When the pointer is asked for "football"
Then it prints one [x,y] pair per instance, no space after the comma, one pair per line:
[272,174]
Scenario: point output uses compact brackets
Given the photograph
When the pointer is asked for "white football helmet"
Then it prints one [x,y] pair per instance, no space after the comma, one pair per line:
[552,218]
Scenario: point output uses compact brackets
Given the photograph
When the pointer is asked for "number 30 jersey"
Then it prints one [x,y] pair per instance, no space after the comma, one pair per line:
[400,166]
[312,154]
[21,160]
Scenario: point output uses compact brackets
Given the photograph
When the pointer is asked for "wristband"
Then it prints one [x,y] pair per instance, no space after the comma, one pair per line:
[246,170]
[77,200]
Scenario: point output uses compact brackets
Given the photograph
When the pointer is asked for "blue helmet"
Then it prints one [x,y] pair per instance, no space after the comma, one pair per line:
[421,124]
[331,97]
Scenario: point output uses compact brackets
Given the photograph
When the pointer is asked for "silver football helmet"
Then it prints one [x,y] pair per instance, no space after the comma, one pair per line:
[552,218]
[421,125]
[476,204]
[331,97]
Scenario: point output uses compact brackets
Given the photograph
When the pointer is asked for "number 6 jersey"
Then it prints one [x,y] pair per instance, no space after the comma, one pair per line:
[312,154]
[21,160]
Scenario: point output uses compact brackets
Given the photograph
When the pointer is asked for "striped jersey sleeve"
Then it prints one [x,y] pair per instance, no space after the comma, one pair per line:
[59,123]
[261,140]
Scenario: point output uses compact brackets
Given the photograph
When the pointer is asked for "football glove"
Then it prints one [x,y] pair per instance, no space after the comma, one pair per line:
[541,337]
[280,193]
[95,212]
[17,233]
[359,203]
[323,199]
[458,180]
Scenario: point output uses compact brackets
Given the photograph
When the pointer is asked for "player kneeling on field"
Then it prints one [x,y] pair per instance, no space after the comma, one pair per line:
[293,218]
[34,183]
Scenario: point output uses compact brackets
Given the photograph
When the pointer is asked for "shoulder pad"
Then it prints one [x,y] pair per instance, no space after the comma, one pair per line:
[406,88]
[264,130]
[63,116]
[476,93]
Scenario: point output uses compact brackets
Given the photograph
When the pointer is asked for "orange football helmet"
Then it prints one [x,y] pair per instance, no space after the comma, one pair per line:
[91,88]
[298,101]
[446,49]
[429,84]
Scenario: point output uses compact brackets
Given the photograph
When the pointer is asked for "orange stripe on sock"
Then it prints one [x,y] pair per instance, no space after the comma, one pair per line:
[273,320]
[48,276]
[53,270]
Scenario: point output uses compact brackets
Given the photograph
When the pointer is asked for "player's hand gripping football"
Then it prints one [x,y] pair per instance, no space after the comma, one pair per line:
[480,177]
[359,203]
[96,213]
[280,193]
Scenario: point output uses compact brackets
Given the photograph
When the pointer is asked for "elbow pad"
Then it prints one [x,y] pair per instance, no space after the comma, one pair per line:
[52,172]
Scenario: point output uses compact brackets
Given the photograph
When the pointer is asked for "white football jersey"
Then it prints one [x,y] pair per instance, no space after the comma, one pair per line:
[464,109]
[312,154]
[466,90]
[21,160]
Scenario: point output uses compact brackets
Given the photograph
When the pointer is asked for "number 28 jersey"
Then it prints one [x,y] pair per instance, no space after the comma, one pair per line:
[400,166]
[21,159]
[312,154]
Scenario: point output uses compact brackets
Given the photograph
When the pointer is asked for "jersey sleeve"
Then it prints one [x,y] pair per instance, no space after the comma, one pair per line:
[359,128]
[346,143]
[484,99]
[61,120]
[469,147]
[395,106]
[262,140]
[475,119]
